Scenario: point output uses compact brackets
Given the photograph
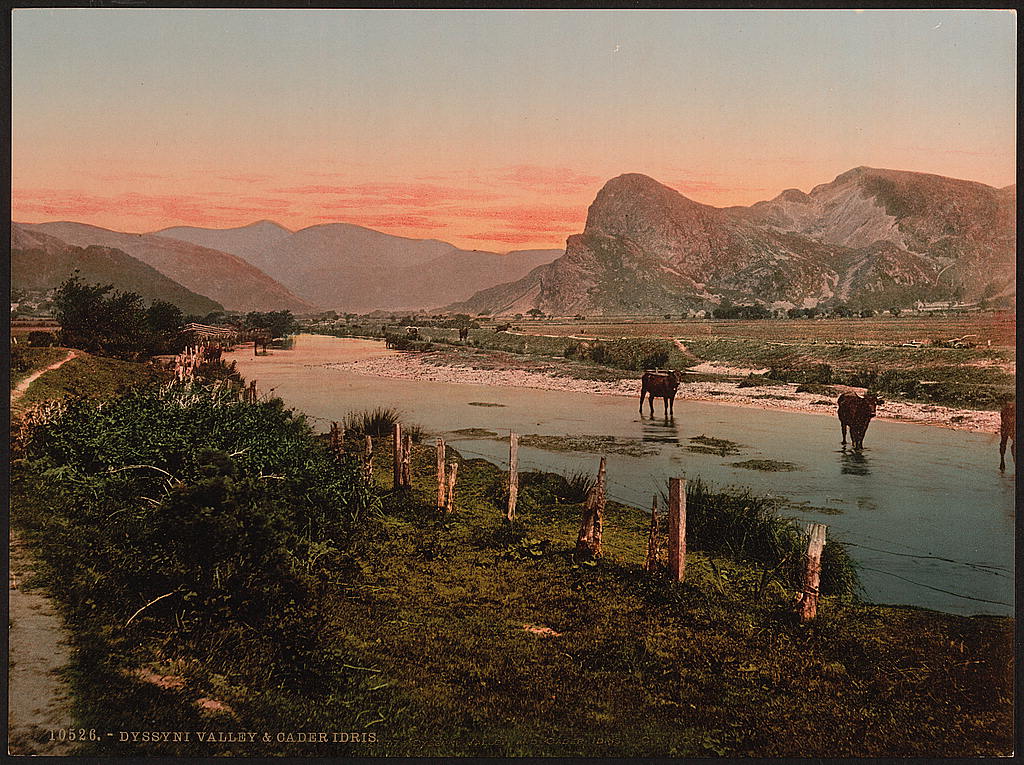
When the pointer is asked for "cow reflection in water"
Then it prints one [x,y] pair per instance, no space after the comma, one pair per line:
[854,463]
[659,430]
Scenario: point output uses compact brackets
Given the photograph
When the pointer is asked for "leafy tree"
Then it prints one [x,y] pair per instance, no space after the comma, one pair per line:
[113,326]
[535,312]
[278,323]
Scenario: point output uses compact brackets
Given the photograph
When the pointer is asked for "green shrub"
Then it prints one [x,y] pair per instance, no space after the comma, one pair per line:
[746,526]
[217,514]
[39,339]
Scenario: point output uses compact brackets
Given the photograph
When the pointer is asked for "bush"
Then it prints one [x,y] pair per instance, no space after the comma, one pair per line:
[376,422]
[746,526]
[40,339]
[217,514]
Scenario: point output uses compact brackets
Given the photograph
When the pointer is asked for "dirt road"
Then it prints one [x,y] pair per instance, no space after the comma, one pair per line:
[38,651]
[20,388]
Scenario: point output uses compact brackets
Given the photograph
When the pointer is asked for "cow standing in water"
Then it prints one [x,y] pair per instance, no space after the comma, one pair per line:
[661,384]
[855,413]
[1008,432]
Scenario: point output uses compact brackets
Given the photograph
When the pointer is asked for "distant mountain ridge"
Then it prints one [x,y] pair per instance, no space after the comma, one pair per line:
[225,278]
[352,268]
[41,262]
[870,237]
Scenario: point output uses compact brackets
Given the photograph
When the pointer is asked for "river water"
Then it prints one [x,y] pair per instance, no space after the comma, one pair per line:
[929,517]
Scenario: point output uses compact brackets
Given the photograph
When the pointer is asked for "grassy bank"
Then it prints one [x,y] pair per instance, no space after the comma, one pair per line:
[230,573]
[972,378]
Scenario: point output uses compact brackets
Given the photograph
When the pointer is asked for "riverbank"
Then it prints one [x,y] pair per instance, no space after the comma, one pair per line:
[473,367]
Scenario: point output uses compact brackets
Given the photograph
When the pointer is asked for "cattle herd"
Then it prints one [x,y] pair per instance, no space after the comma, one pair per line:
[855,412]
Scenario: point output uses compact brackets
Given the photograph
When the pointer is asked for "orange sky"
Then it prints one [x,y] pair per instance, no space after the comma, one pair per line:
[492,130]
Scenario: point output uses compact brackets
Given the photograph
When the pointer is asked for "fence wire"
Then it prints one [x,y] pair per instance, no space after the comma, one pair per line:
[987,568]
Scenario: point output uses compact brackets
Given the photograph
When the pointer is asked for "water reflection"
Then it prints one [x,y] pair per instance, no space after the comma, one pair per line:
[662,430]
[853,462]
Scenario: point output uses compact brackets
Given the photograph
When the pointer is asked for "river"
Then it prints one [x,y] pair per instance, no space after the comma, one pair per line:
[929,517]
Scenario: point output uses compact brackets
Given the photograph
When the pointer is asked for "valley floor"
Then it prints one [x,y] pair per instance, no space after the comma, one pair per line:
[463,366]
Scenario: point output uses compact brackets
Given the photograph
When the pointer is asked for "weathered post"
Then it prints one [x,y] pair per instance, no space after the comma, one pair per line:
[406,459]
[652,538]
[397,441]
[453,470]
[677,528]
[442,488]
[807,598]
[588,541]
[335,447]
[513,474]
[368,464]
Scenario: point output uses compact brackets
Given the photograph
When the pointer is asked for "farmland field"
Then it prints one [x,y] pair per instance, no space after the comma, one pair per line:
[998,327]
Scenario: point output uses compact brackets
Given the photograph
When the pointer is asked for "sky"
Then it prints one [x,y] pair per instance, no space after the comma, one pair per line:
[489,129]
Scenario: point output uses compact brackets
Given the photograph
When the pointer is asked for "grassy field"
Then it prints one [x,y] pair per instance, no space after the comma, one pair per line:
[88,375]
[26,360]
[460,634]
[799,351]
[999,327]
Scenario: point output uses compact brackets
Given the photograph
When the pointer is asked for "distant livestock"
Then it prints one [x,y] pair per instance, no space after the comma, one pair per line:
[412,333]
[464,333]
[662,384]
[1008,432]
[855,413]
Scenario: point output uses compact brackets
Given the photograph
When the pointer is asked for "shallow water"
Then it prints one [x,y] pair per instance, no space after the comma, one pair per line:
[917,494]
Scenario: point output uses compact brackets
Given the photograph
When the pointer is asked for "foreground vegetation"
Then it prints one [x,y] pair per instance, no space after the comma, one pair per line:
[222,570]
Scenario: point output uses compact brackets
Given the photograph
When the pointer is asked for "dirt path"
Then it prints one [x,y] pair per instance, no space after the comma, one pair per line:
[20,388]
[38,697]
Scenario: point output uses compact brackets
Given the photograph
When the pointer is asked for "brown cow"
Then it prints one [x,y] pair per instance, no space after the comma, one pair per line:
[660,383]
[463,334]
[856,412]
[1008,432]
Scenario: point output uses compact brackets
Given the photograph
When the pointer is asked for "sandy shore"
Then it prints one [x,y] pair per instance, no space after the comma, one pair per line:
[781,397]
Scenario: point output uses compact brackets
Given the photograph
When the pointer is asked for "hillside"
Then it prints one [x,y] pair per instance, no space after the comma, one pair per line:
[223,277]
[348,267]
[247,242]
[872,238]
[42,262]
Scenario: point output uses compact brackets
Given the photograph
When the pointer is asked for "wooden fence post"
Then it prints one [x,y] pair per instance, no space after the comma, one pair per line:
[588,541]
[652,538]
[334,437]
[513,474]
[397,440]
[442,488]
[677,528]
[368,467]
[453,470]
[807,598]
[406,460]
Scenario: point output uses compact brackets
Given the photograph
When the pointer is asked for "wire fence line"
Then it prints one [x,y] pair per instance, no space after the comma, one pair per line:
[915,554]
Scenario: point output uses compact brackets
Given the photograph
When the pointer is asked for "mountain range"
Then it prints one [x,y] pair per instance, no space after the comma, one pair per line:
[41,262]
[357,269]
[870,238]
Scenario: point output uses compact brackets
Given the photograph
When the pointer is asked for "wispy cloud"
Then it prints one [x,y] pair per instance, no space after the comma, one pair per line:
[513,237]
[389,194]
[384,221]
[542,218]
[551,180]
[172,208]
